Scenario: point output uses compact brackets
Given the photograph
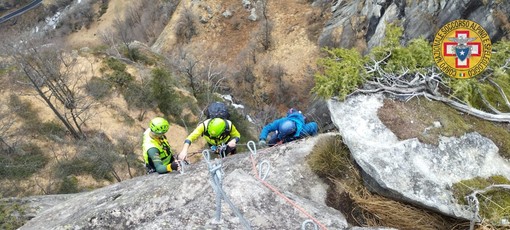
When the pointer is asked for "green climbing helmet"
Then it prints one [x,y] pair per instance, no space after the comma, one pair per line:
[216,127]
[159,125]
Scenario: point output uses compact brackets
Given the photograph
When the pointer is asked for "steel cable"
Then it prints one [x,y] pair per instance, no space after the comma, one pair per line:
[253,151]
[216,173]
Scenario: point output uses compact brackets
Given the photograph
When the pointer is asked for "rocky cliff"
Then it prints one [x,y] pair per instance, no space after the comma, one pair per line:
[274,188]
[362,24]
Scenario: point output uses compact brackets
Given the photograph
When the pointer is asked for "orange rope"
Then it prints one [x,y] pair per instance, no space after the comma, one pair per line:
[283,196]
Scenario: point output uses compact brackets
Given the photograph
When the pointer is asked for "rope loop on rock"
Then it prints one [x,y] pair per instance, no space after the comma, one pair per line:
[261,180]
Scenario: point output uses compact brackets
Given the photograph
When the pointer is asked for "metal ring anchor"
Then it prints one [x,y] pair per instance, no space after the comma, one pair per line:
[306,223]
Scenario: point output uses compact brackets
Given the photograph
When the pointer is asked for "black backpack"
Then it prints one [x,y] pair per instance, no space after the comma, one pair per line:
[217,110]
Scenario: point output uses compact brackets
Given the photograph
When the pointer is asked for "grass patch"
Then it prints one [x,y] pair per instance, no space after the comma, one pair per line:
[52,129]
[418,118]
[415,119]
[494,204]
[23,163]
[499,133]
[96,157]
[25,110]
[68,185]
[331,158]
[137,55]
[12,215]
[99,50]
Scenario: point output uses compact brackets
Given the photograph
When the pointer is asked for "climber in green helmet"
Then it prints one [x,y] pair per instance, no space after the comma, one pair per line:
[157,154]
[217,132]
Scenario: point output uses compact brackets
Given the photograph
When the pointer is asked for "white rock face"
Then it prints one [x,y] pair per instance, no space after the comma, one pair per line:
[409,170]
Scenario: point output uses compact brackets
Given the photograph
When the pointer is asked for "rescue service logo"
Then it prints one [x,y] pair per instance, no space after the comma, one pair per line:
[462,49]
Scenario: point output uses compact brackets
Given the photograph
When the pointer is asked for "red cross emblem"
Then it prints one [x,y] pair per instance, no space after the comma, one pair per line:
[449,49]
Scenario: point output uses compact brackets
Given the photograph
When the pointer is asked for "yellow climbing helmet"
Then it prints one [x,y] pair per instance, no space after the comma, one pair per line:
[216,127]
[159,125]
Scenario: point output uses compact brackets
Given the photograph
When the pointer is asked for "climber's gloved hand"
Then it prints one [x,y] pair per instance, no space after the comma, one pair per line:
[262,143]
[175,166]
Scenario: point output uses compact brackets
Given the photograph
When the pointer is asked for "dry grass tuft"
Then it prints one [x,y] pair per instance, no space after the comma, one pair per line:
[380,211]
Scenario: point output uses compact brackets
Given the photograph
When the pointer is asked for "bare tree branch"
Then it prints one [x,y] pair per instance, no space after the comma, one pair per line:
[487,103]
[428,85]
[52,74]
[500,90]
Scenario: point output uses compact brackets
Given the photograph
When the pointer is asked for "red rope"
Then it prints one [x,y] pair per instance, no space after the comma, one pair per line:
[283,196]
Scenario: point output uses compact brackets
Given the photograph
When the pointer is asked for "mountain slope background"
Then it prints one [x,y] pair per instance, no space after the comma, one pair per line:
[266,82]
[231,41]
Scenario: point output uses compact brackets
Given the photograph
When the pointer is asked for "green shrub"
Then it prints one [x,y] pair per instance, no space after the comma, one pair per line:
[138,96]
[164,93]
[493,95]
[97,158]
[12,215]
[342,73]
[117,77]
[500,54]
[463,89]
[137,56]
[52,128]
[343,70]
[98,50]
[416,57]
[120,79]
[22,164]
[68,184]
[103,8]
[494,204]
[115,64]
[98,88]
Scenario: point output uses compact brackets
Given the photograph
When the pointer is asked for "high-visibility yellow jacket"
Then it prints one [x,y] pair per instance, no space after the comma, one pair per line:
[156,152]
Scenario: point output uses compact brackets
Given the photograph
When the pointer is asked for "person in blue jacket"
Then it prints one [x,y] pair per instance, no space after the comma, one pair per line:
[289,128]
